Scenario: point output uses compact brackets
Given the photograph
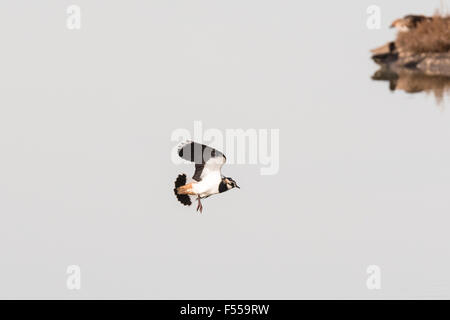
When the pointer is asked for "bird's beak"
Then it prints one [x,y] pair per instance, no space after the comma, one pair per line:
[238,187]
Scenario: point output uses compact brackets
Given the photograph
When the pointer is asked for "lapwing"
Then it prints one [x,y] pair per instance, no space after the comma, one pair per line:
[207,179]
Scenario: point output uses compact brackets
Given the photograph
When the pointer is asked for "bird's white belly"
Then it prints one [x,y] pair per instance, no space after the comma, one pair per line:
[208,186]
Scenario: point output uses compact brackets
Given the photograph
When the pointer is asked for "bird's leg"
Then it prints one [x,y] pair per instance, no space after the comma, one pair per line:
[199,206]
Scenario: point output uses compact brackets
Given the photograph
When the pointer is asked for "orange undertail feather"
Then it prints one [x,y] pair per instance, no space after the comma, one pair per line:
[186,189]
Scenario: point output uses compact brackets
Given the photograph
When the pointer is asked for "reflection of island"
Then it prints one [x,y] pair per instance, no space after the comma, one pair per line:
[419,59]
[412,81]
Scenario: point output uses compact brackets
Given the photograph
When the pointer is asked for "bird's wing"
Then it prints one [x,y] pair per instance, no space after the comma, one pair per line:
[206,159]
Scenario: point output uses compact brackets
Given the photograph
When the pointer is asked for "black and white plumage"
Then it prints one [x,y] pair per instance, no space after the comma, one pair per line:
[208,179]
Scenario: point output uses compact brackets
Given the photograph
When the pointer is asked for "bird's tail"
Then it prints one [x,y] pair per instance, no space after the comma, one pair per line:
[183,198]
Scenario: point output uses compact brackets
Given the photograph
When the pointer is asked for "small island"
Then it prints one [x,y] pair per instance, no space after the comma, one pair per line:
[419,58]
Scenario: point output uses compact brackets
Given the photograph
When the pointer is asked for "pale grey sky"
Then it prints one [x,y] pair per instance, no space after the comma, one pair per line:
[86,177]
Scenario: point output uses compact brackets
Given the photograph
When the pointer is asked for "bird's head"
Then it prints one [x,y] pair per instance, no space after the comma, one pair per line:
[230,183]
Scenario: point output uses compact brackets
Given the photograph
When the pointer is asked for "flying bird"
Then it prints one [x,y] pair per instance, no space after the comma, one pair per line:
[207,179]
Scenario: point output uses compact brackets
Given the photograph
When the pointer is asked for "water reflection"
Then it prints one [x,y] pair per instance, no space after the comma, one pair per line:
[412,81]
